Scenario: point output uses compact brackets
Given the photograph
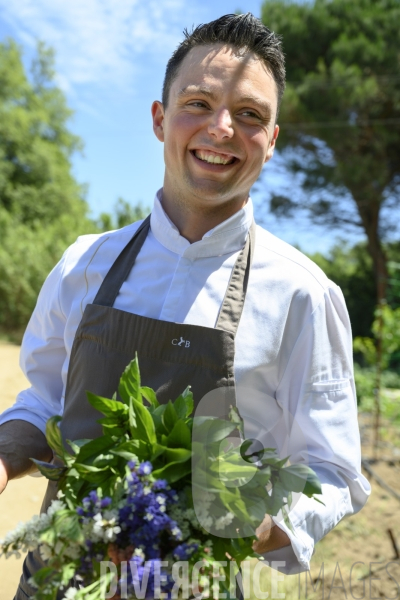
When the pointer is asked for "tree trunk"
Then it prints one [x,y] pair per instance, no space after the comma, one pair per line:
[369,214]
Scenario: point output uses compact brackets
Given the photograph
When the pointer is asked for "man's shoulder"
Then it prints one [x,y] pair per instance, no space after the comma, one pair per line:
[108,244]
[289,261]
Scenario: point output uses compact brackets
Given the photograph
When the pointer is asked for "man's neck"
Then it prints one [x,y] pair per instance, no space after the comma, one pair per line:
[194,220]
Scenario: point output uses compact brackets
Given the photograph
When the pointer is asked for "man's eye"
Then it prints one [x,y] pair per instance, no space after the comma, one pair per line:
[249,113]
[197,104]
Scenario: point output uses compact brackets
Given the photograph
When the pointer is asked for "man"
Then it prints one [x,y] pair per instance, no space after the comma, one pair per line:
[259,320]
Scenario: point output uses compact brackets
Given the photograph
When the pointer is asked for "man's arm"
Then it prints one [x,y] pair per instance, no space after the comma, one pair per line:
[270,537]
[42,357]
[19,442]
[318,401]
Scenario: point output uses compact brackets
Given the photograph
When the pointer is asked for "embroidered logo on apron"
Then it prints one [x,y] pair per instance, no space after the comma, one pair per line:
[182,342]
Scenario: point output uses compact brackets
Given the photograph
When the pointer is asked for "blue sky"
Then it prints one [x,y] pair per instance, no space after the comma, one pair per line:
[110,61]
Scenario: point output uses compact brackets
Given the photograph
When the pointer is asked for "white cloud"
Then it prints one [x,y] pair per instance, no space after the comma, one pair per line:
[97,42]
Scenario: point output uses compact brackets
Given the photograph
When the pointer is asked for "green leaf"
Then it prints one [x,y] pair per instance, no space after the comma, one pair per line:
[229,471]
[242,548]
[276,500]
[173,471]
[184,404]
[150,396]
[235,417]
[270,457]
[177,455]
[211,429]
[180,436]
[300,478]
[92,449]
[145,428]
[129,384]
[67,572]
[169,417]
[110,408]
[286,519]
[76,445]
[43,574]
[54,438]
[127,449]
[66,525]
[50,471]
[133,450]
[157,416]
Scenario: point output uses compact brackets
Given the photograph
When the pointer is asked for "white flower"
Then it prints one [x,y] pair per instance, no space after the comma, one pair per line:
[59,547]
[73,551]
[160,499]
[45,552]
[222,522]
[55,506]
[206,522]
[176,532]
[70,594]
[146,490]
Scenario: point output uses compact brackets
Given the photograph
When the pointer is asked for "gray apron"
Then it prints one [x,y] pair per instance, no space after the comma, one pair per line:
[171,356]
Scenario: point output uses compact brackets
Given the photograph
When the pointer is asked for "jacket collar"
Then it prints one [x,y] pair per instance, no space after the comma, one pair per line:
[226,238]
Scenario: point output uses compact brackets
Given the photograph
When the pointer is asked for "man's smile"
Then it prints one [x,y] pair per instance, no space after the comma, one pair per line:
[214,159]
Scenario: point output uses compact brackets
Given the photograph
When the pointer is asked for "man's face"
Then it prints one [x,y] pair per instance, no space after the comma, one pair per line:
[219,127]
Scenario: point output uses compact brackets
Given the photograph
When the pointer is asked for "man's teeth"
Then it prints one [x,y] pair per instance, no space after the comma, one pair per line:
[215,159]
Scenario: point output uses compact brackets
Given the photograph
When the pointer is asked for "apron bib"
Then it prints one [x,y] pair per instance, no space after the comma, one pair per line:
[171,357]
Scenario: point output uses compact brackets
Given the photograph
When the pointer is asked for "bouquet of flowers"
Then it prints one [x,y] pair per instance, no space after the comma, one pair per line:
[145,510]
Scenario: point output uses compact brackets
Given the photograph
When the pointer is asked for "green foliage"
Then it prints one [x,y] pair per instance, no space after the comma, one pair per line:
[42,207]
[351,269]
[36,183]
[340,115]
[185,451]
[27,255]
[124,214]
[365,379]
[390,337]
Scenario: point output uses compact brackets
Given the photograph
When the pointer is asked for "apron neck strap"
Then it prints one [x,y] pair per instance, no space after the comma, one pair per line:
[121,268]
[235,295]
[232,305]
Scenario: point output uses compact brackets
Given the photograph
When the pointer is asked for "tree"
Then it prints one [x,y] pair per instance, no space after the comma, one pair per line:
[42,207]
[340,115]
[36,183]
[351,269]
[124,214]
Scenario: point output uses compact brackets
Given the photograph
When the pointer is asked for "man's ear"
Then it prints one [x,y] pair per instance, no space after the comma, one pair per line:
[157,112]
[272,143]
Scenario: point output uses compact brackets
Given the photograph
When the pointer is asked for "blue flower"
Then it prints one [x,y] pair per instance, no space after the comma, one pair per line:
[185,551]
[145,468]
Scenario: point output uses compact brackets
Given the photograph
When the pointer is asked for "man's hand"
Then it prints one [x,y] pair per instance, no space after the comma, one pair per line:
[19,442]
[270,537]
[3,477]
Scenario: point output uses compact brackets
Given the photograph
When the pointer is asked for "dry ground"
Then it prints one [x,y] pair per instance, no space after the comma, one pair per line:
[362,539]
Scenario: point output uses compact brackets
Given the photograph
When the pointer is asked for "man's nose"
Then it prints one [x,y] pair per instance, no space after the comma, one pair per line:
[221,125]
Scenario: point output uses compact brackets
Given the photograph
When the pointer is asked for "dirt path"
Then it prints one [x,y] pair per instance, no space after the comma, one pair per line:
[22,497]
[362,540]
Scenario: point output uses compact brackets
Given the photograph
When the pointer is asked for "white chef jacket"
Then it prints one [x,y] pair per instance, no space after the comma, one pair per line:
[293,359]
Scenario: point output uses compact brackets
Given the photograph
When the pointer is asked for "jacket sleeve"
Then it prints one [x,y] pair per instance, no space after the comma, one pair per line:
[317,396]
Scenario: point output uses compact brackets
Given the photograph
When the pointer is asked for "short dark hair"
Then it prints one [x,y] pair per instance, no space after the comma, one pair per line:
[244,32]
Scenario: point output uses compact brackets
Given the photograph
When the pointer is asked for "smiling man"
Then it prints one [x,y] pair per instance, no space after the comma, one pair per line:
[205,297]
[218,125]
